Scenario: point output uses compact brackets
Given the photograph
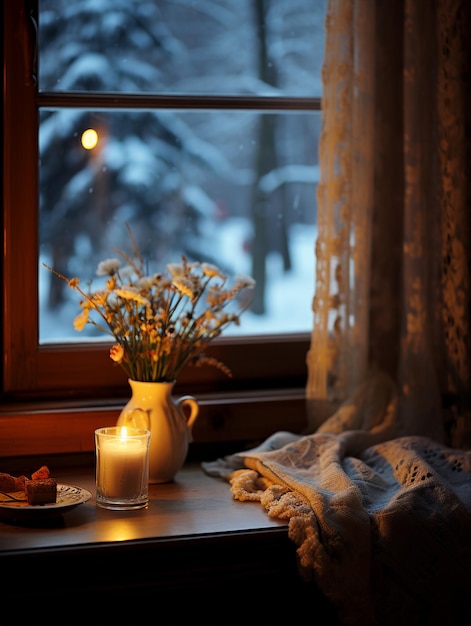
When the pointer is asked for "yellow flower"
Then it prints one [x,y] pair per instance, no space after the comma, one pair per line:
[111,283]
[185,286]
[212,271]
[117,353]
[81,319]
[129,293]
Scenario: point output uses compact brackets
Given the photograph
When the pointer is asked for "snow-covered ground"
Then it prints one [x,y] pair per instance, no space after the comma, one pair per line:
[288,297]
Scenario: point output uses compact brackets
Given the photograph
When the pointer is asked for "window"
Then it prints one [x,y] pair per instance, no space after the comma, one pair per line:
[184,121]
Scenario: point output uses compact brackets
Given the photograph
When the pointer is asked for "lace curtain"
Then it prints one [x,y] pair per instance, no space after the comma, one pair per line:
[393,252]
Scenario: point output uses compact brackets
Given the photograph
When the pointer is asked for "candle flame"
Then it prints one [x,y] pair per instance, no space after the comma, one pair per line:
[124,433]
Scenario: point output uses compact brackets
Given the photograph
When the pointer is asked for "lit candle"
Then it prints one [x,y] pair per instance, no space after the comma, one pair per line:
[122,470]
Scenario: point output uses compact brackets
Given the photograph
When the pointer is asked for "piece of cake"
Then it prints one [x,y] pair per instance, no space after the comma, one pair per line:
[10,483]
[42,491]
[7,482]
[41,473]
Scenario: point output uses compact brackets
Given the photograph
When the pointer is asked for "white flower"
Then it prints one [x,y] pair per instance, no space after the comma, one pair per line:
[108,267]
[244,281]
[144,283]
[176,269]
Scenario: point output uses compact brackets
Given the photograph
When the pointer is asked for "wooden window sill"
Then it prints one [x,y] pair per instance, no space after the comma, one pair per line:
[194,545]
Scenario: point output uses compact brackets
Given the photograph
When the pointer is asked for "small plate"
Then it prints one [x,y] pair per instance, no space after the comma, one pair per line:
[68,497]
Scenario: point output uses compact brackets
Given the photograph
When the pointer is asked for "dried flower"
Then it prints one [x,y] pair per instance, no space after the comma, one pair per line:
[162,322]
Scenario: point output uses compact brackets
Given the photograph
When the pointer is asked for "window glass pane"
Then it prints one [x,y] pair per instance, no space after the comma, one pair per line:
[233,188]
[164,46]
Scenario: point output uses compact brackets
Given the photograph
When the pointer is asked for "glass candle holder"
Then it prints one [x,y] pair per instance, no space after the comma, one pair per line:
[122,467]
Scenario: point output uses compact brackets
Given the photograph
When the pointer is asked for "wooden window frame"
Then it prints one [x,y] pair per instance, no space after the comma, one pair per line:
[49,387]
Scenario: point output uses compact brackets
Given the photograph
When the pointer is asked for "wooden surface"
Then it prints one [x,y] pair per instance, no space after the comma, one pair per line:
[194,555]
[194,505]
[248,417]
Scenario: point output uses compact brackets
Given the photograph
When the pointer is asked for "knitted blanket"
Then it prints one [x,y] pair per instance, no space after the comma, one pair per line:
[382,526]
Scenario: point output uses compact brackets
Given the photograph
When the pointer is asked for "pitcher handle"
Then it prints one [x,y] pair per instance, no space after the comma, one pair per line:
[190,408]
[135,418]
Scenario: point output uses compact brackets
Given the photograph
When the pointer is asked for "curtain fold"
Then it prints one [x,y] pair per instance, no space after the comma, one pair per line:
[393,255]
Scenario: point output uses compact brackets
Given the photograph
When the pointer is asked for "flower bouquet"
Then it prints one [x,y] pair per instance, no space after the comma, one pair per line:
[160,322]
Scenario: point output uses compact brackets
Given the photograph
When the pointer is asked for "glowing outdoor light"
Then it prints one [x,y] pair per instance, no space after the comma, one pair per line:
[89,138]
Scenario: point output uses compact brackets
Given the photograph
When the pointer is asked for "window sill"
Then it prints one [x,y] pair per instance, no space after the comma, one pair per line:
[192,545]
